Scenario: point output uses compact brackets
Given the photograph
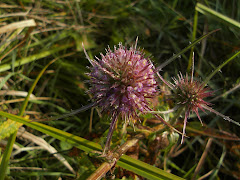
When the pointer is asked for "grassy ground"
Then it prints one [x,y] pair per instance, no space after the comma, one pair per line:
[164,28]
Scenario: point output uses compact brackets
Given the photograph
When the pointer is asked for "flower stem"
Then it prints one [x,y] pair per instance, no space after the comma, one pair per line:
[176,116]
[110,132]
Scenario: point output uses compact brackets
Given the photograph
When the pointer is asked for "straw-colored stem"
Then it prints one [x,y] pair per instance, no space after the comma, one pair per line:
[203,158]
[113,157]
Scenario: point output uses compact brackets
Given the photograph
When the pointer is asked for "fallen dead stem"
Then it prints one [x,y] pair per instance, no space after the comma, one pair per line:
[203,158]
[41,142]
[17,25]
[113,157]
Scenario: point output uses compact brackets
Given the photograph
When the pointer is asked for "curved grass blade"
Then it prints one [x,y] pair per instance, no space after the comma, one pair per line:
[56,133]
[184,50]
[220,162]
[136,166]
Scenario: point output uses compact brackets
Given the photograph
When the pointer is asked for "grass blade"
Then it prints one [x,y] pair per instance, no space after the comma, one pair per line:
[208,11]
[184,50]
[56,133]
[194,33]
[145,170]
[126,162]
[220,67]
[34,57]
[6,156]
[11,140]
[6,78]
[220,162]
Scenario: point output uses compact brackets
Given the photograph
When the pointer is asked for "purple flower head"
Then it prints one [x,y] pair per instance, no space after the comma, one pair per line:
[122,81]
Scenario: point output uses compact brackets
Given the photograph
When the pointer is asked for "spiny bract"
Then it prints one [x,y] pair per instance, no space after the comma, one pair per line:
[190,94]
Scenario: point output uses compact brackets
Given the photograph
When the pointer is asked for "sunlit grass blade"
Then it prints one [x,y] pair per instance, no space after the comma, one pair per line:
[56,133]
[34,57]
[184,50]
[210,12]
[18,25]
[145,170]
[126,162]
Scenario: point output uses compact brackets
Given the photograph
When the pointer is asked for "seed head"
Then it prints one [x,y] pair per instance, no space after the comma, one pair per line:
[190,94]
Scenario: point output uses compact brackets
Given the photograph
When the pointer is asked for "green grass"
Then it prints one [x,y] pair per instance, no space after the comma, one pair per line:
[165,30]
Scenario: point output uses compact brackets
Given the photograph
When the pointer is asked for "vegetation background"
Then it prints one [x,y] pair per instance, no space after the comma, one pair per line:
[164,28]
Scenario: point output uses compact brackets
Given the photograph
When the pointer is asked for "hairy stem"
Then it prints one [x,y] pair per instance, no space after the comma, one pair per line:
[110,132]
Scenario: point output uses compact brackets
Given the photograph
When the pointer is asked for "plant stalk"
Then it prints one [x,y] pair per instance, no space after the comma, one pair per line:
[113,157]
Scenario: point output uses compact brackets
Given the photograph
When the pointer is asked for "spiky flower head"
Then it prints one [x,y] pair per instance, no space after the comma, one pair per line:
[122,81]
[190,93]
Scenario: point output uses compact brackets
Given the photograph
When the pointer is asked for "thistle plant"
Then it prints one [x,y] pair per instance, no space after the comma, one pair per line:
[122,83]
[190,94]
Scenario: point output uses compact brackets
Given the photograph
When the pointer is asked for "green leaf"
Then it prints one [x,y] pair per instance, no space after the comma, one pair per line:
[8,127]
[65,146]
[138,167]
